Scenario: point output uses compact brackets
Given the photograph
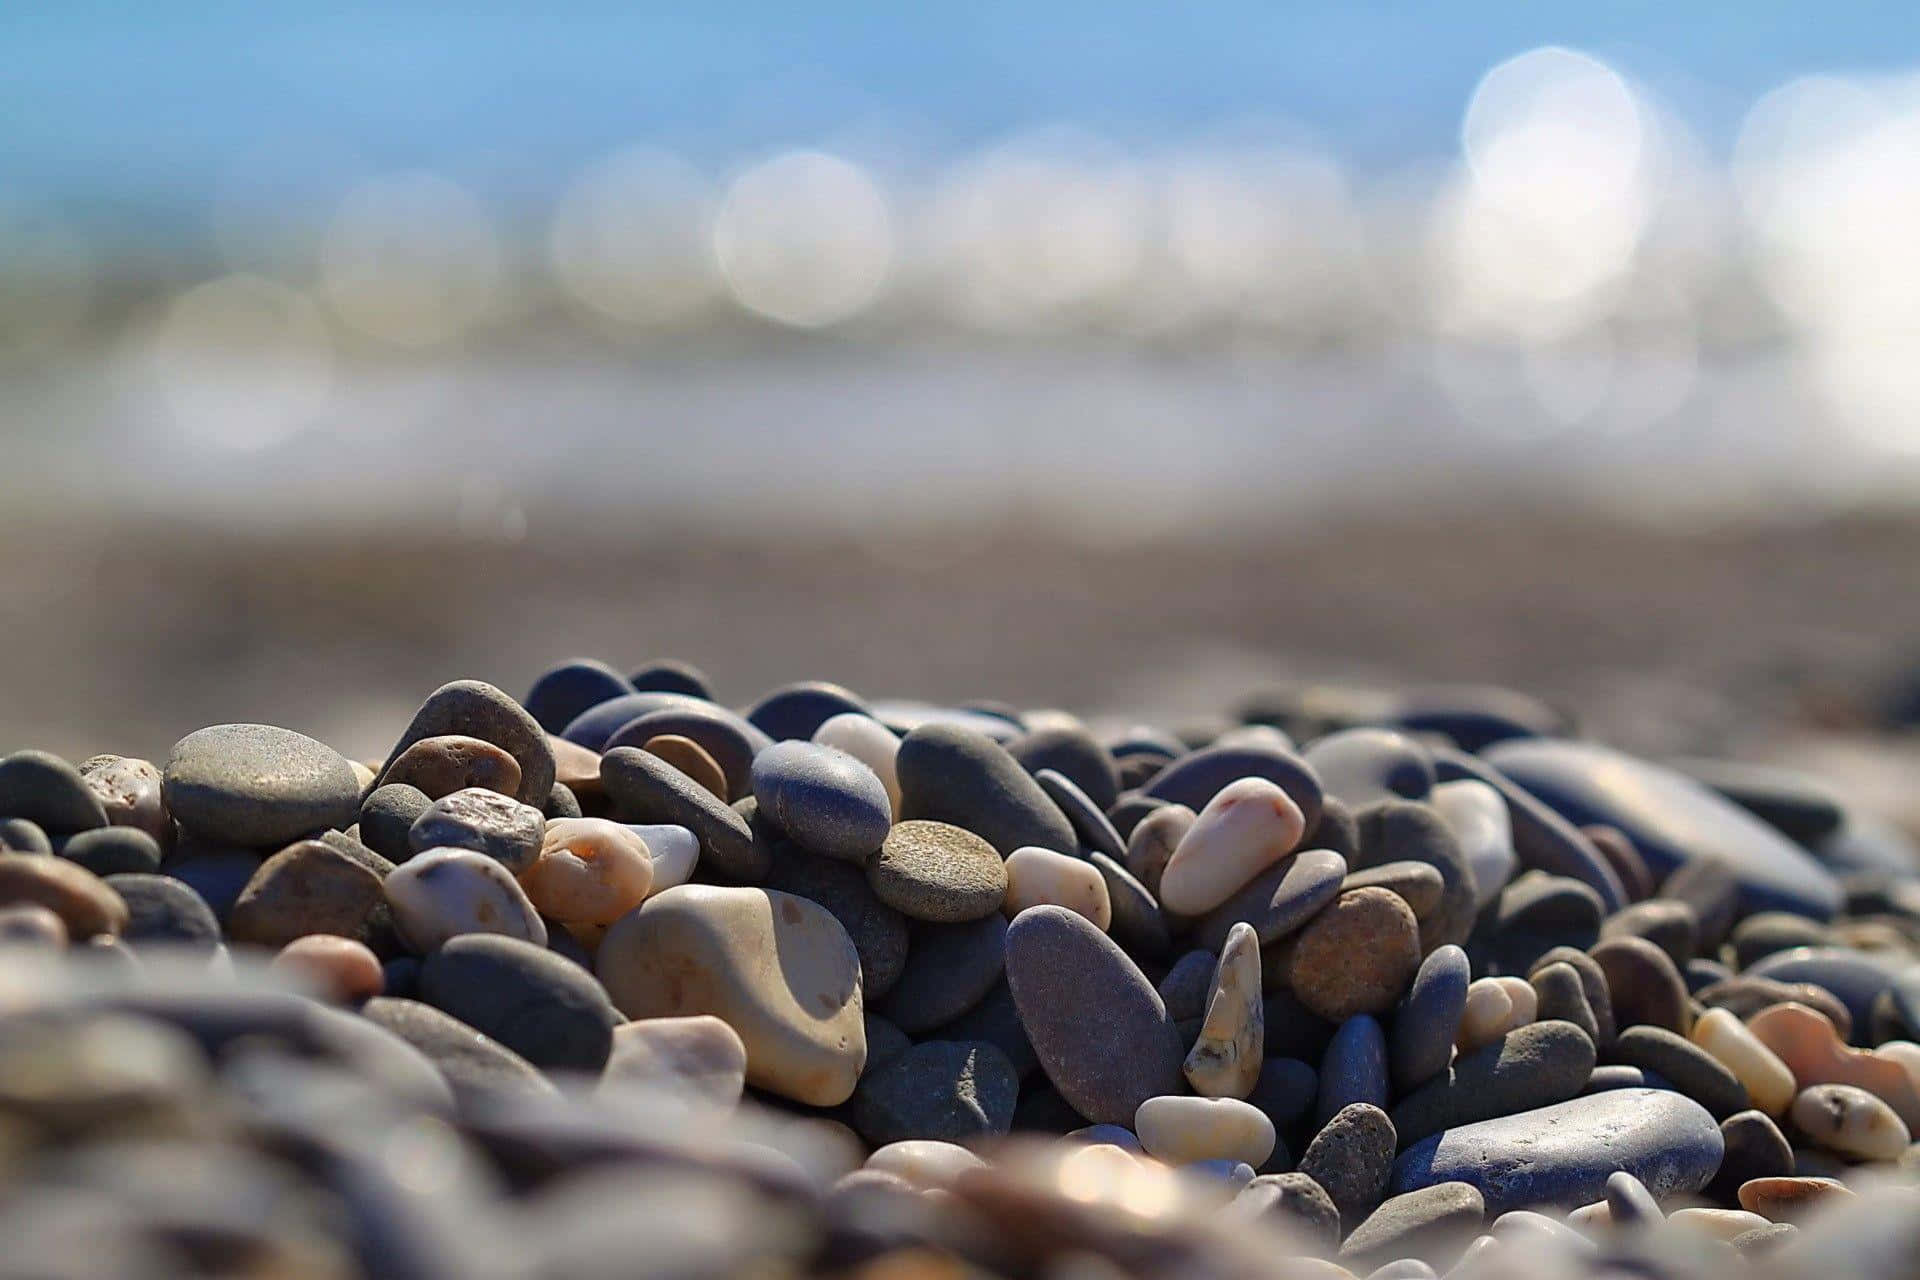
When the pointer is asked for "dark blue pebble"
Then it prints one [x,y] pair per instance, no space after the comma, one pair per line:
[1074,752]
[823,798]
[1354,1069]
[1543,840]
[564,690]
[1477,716]
[1427,1019]
[670,675]
[107,851]
[164,911]
[1090,822]
[796,710]
[1195,779]
[542,1006]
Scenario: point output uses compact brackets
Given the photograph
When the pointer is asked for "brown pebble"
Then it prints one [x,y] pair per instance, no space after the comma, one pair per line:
[690,758]
[1643,984]
[453,762]
[1745,996]
[342,968]
[129,790]
[1618,850]
[576,768]
[85,903]
[1790,1199]
[307,887]
[1356,956]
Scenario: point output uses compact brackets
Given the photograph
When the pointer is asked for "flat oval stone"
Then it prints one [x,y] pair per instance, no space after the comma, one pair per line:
[1364,765]
[1850,1122]
[1477,815]
[107,851]
[1037,876]
[778,969]
[1433,1223]
[307,887]
[1690,1069]
[1138,924]
[698,1055]
[671,675]
[947,1090]
[1668,924]
[937,872]
[952,775]
[1643,984]
[1797,805]
[83,901]
[545,1008]
[338,969]
[869,742]
[1100,1030]
[564,690]
[485,821]
[1529,1067]
[1183,1130]
[162,910]
[726,744]
[1351,1157]
[1408,830]
[1563,1154]
[1196,778]
[798,710]
[1767,1080]
[1354,1069]
[480,1069]
[477,709]
[443,893]
[1671,820]
[1248,826]
[646,789]
[1792,1199]
[1356,956]
[1096,832]
[1560,992]
[453,762]
[23,835]
[824,799]
[128,790]
[593,727]
[258,785]
[1072,751]
[1542,839]
[1427,1019]
[879,933]
[950,969]
[47,791]
[1536,913]
[1152,841]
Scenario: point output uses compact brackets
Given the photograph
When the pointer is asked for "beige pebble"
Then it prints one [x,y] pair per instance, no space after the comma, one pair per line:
[1806,1041]
[450,762]
[128,788]
[1526,1001]
[1770,1085]
[364,774]
[1153,842]
[1246,828]
[869,742]
[443,893]
[1225,1060]
[1791,1199]
[1721,1224]
[778,969]
[698,1056]
[1489,1008]
[692,759]
[1039,877]
[1181,1130]
[1597,1216]
[343,969]
[925,1162]
[1850,1122]
[590,871]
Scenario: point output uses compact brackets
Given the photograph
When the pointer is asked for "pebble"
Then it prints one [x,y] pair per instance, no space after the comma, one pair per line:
[697,1055]
[257,785]
[1197,777]
[342,969]
[23,835]
[128,789]
[824,799]
[1754,1148]
[1154,838]
[1536,913]
[925,1162]
[1559,993]
[30,924]
[480,1070]
[545,1008]
[443,893]
[689,757]
[646,790]
[454,762]
[1643,984]
[1477,816]
[308,887]
[1356,956]
[1095,830]
[778,969]
[1857,978]
[1768,1081]
[1248,826]
[1766,932]
[1098,1027]
[717,746]
[1628,866]
[1433,1223]
[564,690]
[1533,1066]
[107,851]
[1278,900]
[796,711]
[1668,924]
[43,789]
[1138,924]
[1296,1203]
[1225,1060]
[1721,1224]
[950,969]
[1037,877]
[387,815]
[1630,1204]
[1351,1157]
[485,821]
[1690,1068]
[1353,1069]
[879,933]
[954,775]
[938,872]
[1072,751]
[673,850]
[85,903]
[869,742]
[589,871]
[1427,1020]
[1850,1122]
[1563,1154]
[1542,839]
[1744,997]
[1408,830]
[944,1090]
[1805,1040]
[1792,1199]
[1367,764]
[996,1021]
[1181,1130]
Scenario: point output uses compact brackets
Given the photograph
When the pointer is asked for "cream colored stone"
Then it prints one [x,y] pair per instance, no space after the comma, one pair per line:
[1181,1130]
[1478,817]
[1246,828]
[925,1162]
[1225,1060]
[1489,1007]
[1526,1001]
[1597,1216]
[674,849]
[699,1057]
[778,969]
[1793,1198]
[1806,1041]
[590,871]
[869,742]
[442,893]
[1721,1224]
[1770,1085]
[1850,1122]
[1040,877]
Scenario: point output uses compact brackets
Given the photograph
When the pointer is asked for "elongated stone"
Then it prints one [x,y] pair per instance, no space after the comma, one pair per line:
[1225,1061]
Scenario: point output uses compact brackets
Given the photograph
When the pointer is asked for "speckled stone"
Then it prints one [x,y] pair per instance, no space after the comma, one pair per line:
[1418,883]
[479,1068]
[1195,778]
[164,911]
[645,789]
[1533,1066]
[950,969]
[1353,1069]
[1432,1224]
[1643,985]
[477,709]
[547,1009]
[107,851]
[879,932]
[453,762]
[1690,1069]
[938,872]
[1408,830]
[953,775]
[1294,1202]
[485,821]
[128,790]
[308,887]
[1100,1030]
[82,900]
[258,785]
[947,1090]
[1351,1157]
[1356,956]
[778,969]
[1427,1018]
[1563,1154]
[1096,832]
[699,1055]
[49,792]
[1279,900]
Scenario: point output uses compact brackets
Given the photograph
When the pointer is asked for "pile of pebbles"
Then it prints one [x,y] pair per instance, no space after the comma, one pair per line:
[620,981]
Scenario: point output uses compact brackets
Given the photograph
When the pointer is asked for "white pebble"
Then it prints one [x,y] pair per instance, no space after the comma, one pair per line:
[442,893]
[1182,1130]
[925,1162]
[1041,877]
[869,742]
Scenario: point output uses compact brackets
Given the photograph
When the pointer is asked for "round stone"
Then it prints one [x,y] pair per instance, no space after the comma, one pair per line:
[938,872]
[23,835]
[1356,956]
[946,1090]
[927,1164]
[778,969]
[950,969]
[1755,1148]
[690,758]
[1418,883]
[387,815]
[341,969]
[564,690]
[646,789]
[1477,816]
[1850,1122]
[453,762]
[107,851]
[443,893]
[796,711]
[1669,925]
[1351,1157]
[47,791]
[478,710]
[545,1008]
[1244,829]
[869,742]
[485,821]
[1533,1066]
[1688,1067]
[879,932]
[308,887]
[590,871]
[1181,1130]
[953,775]
[1041,876]
[1364,765]
[258,785]
[83,901]
[1071,750]
[671,675]
[698,1055]
[1427,1019]
[28,924]
[1100,1030]
[1792,1199]
[128,790]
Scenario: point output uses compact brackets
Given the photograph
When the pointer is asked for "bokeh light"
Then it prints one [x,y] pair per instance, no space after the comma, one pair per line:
[632,239]
[805,239]
[242,362]
[412,259]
